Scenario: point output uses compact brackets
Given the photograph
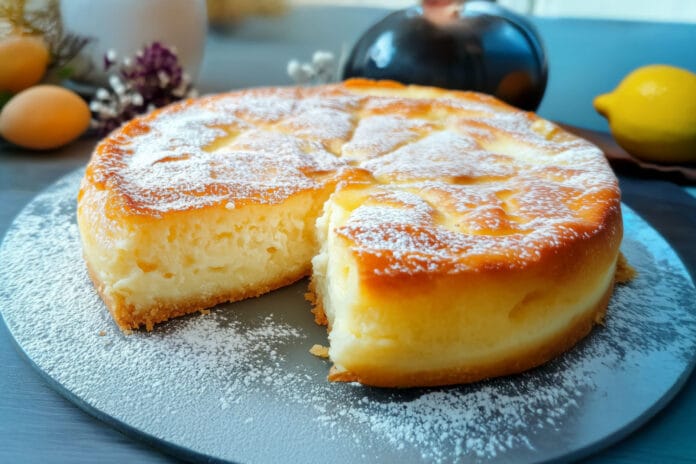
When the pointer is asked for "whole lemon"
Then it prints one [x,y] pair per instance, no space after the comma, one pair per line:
[23,62]
[44,117]
[652,113]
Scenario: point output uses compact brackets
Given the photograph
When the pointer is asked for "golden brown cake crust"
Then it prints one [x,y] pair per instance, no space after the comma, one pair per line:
[279,142]
[240,148]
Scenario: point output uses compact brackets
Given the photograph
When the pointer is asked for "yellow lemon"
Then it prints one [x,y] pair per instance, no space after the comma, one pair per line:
[652,113]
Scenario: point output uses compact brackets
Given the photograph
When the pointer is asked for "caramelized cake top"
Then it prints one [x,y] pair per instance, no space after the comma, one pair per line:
[436,180]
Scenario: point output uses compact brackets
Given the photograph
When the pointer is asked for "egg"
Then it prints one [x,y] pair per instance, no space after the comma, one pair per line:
[44,117]
[23,62]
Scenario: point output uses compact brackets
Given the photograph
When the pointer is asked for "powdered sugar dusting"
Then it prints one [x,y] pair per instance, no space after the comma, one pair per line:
[221,384]
[539,187]
[436,227]
[370,140]
[177,158]
[444,156]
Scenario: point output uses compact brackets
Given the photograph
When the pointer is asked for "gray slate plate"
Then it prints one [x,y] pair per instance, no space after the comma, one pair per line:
[239,384]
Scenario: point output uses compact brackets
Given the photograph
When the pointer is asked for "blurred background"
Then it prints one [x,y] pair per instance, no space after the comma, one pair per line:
[651,10]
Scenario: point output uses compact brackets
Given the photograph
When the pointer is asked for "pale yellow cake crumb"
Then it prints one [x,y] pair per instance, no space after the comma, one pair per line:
[320,351]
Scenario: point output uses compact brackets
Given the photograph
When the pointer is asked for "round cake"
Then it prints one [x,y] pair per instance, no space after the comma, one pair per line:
[449,237]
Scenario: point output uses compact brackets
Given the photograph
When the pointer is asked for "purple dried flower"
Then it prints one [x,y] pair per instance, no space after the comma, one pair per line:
[152,79]
[156,74]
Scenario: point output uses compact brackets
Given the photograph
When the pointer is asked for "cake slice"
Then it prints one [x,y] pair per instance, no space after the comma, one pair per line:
[410,302]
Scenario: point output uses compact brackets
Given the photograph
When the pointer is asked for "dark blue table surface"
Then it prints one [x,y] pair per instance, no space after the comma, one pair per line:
[586,58]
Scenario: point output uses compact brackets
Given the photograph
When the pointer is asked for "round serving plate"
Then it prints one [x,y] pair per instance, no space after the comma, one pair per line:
[239,384]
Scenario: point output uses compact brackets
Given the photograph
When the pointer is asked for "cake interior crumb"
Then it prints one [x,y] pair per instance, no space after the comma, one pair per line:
[320,351]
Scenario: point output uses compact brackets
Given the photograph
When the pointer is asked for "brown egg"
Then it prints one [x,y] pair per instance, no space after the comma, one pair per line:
[44,117]
[23,62]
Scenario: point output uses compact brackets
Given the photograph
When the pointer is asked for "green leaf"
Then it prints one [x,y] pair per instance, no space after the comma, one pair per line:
[65,72]
[5,97]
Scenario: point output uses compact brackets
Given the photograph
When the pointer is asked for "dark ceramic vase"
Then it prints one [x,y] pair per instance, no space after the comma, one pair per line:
[475,45]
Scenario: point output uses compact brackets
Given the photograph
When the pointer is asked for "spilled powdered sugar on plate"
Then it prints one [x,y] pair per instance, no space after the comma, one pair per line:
[239,384]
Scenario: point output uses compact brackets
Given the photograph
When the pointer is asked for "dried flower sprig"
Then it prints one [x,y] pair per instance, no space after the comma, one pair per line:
[151,79]
[13,13]
[46,22]
[321,70]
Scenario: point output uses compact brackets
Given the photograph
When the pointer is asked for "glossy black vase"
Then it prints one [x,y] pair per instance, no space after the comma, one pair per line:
[486,48]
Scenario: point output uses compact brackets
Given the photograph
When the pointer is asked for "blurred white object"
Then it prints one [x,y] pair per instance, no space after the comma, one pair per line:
[321,70]
[636,10]
[127,25]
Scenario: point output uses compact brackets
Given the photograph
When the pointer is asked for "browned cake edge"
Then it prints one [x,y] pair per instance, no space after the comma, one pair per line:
[127,319]
[624,271]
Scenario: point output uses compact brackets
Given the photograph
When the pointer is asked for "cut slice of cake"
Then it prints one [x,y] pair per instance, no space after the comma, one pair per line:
[411,301]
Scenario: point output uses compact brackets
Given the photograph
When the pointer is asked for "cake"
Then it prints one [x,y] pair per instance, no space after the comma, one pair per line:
[448,237]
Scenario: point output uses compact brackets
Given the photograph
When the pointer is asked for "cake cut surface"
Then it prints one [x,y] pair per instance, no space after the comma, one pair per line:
[449,237]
